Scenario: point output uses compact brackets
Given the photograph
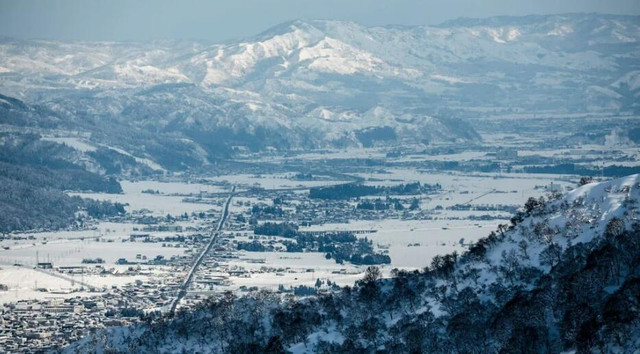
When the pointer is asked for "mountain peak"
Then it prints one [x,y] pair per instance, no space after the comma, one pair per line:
[302,25]
[556,63]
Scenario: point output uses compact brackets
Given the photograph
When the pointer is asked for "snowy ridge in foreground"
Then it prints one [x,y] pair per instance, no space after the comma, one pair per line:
[564,276]
[579,217]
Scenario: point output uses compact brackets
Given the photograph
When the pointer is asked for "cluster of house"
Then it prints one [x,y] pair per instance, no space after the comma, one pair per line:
[54,322]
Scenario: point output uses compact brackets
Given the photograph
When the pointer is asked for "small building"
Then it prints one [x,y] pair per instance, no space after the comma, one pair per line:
[134,237]
[71,269]
[45,265]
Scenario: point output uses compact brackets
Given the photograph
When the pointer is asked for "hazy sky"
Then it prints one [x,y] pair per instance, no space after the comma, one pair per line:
[220,20]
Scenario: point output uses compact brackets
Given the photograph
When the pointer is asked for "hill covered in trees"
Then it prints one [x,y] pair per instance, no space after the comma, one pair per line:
[34,173]
[563,276]
[33,198]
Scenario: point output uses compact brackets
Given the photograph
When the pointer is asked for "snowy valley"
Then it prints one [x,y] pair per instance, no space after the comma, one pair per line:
[562,276]
[325,186]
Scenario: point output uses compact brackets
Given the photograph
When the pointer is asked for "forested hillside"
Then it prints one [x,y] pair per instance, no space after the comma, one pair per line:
[33,198]
[563,276]
[35,172]
[30,207]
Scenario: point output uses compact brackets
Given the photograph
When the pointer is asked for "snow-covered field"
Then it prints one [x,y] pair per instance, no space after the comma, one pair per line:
[411,244]
[474,188]
[24,283]
[300,269]
[76,143]
[273,181]
[71,253]
[109,241]
[157,204]
[136,187]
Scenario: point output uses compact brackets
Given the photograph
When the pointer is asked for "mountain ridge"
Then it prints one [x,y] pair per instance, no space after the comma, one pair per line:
[317,83]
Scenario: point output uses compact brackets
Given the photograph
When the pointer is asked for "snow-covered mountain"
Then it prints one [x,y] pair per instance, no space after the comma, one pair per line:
[563,277]
[310,83]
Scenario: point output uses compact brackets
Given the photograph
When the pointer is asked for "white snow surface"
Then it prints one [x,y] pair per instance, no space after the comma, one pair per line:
[330,78]
[580,216]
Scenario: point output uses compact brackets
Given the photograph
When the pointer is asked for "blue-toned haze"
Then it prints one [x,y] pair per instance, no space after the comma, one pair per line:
[222,20]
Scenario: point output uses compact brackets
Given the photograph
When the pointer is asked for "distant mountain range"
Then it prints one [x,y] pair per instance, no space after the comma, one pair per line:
[316,83]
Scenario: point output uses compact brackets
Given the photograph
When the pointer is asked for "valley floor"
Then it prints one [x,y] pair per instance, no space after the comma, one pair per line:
[117,270]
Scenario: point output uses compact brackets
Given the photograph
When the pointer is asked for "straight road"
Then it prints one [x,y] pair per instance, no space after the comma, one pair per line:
[215,233]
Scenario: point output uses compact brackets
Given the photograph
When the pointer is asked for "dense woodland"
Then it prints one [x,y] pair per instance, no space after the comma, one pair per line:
[356,190]
[526,288]
[339,246]
[61,179]
[30,207]
[32,197]
[284,229]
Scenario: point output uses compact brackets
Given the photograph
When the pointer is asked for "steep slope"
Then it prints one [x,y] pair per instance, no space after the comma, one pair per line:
[37,135]
[565,276]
